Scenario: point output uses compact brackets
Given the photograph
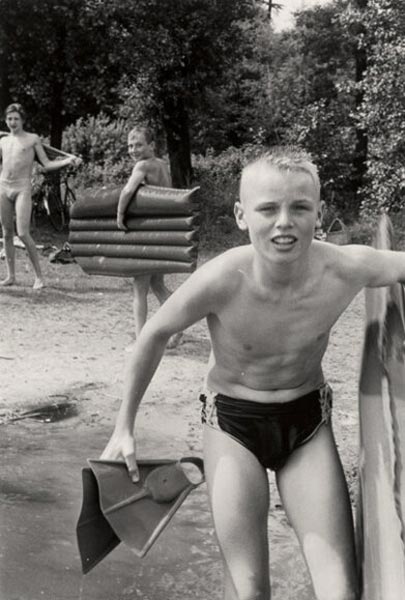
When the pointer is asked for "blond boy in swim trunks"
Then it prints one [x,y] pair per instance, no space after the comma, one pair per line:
[269,306]
[151,170]
[17,153]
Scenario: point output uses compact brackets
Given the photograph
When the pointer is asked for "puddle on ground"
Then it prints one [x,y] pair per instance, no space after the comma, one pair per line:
[12,492]
[49,413]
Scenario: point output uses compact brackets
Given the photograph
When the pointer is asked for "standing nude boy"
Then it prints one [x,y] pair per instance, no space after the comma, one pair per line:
[151,170]
[17,153]
[269,306]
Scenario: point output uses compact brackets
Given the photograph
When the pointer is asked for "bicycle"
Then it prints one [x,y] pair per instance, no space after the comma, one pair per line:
[54,197]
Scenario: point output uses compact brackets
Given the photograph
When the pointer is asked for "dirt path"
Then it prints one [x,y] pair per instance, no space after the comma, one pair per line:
[67,343]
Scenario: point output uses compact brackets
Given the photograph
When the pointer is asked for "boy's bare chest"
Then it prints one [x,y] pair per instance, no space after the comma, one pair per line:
[283,322]
[21,150]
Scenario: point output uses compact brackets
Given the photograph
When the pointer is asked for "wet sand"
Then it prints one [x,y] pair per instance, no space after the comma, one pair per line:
[66,344]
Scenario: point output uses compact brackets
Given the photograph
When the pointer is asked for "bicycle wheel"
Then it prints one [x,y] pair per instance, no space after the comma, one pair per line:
[54,209]
[68,202]
[38,210]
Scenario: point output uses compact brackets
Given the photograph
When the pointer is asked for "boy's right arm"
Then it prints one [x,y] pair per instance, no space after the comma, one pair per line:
[192,301]
[146,357]
[137,177]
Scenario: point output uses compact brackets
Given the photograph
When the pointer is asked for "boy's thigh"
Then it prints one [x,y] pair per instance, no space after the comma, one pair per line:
[6,209]
[23,209]
[314,493]
[239,496]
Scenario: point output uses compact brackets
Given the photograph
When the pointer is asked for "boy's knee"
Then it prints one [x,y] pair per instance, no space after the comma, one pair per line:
[8,232]
[252,588]
[253,593]
[24,236]
[332,590]
[333,573]
[339,595]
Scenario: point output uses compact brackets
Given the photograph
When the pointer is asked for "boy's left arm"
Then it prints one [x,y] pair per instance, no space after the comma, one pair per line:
[52,165]
[383,267]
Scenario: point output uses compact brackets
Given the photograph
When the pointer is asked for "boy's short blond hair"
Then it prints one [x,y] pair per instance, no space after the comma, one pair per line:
[145,130]
[286,158]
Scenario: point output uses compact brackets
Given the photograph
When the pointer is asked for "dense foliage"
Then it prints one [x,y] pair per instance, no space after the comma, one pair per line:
[383,109]
[61,59]
[70,58]
[218,84]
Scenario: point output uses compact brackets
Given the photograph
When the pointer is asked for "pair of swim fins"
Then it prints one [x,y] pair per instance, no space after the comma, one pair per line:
[115,509]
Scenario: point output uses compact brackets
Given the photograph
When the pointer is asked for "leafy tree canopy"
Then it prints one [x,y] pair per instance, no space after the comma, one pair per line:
[383,109]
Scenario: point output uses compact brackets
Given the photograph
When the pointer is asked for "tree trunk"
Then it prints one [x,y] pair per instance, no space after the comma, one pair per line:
[176,125]
[56,124]
[58,84]
[57,105]
[5,97]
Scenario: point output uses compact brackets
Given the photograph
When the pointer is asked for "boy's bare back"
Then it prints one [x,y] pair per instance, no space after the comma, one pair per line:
[155,171]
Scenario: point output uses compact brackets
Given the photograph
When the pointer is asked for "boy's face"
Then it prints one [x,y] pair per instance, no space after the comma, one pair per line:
[14,121]
[280,210]
[139,148]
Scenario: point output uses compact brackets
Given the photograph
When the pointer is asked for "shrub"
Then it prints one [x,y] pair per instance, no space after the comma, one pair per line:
[97,139]
[102,144]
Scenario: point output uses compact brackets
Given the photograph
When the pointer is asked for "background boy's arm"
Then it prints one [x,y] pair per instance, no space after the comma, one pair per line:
[187,305]
[52,165]
[138,175]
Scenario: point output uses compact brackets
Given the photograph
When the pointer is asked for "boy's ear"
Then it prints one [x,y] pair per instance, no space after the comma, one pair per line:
[240,216]
[321,211]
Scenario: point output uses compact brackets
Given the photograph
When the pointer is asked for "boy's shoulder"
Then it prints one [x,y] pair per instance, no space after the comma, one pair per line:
[155,171]
[344,252]
[149,164]
[219,278]
[156,163]
[224,266]
[152,160]
[348,261]
[25,138]
[31,139]
[233,257]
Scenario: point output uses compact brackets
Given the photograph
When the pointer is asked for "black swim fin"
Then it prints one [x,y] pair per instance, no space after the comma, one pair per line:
[134,513]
